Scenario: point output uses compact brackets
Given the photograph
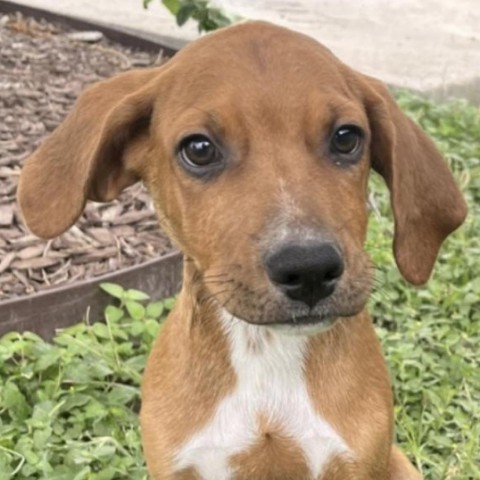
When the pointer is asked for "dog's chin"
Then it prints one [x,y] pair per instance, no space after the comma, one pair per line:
[306,325]
[297,325]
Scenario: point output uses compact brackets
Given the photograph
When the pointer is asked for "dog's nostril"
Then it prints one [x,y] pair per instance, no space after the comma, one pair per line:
[292,280]
[334,273]
[306,273]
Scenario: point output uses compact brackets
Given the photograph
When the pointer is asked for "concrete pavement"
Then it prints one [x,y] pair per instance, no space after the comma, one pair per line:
[432,46]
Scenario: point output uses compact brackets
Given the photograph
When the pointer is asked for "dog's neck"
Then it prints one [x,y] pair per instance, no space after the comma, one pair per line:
[266,370]
[236,372]
[278,350]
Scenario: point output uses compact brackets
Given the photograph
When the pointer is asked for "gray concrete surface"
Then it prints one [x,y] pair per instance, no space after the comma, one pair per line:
[432,46]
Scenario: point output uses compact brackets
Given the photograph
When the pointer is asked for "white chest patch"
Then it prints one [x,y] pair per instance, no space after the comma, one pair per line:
[270,385]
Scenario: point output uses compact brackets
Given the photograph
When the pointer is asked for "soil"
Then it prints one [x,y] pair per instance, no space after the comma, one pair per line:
[42,71]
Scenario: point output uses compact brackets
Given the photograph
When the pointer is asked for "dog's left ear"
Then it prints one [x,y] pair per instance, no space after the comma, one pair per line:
[97,151]
[426,202]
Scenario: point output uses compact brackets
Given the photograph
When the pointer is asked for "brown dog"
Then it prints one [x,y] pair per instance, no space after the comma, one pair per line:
[256,144]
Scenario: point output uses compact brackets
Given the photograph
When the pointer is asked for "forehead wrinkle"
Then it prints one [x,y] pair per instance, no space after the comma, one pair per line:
[193,117]
[349,109]
[208,118]
[325,110]
[318,118]
[215,125]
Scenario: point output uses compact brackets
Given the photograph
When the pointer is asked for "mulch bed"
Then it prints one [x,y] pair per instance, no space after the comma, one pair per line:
[42,71]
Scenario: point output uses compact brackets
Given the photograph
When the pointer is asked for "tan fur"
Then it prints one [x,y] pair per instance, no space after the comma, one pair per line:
[273,456]
[188,474]
[177,370]
[401,468]
[272,97]
[354,380]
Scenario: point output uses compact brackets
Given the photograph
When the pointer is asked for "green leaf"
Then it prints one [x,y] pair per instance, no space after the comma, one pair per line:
[135,309]
[83,474]
[122,394]
[15,402]
[113,290]
[132,294]
[172,5]
[101,330]
[169,303]
[42,413]
[95,410]
[74,400]
[78,372]
[155,310]
[106,450]
[107,473]
[100,369]
[49,358]
[137,327]
[113,314]
[41,437]
[152,328]
[184,13]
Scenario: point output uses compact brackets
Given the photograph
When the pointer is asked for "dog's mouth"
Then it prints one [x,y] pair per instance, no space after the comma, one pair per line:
[282,314]
[311,324]
[279,312]
[305,320]
[267,305]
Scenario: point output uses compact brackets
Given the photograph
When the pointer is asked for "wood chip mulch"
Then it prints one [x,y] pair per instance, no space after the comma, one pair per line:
[42,71]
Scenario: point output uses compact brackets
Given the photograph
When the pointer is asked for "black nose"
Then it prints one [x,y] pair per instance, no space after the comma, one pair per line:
[306,273]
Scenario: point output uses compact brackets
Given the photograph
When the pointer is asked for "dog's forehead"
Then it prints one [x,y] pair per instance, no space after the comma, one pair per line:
[258,79]
[257,50]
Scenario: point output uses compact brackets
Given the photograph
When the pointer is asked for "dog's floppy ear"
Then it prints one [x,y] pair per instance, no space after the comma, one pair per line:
[95,153]
[426,202]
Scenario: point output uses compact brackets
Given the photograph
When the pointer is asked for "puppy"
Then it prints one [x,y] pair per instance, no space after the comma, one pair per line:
[256,143]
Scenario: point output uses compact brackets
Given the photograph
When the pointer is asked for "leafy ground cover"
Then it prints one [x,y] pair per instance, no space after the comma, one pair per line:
[431,335]
[69,408]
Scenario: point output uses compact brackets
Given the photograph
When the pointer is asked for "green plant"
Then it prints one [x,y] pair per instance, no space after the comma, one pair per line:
[431,334]
[208,18]
[69,409]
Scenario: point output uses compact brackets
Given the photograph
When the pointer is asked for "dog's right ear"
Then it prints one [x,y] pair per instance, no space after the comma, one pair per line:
[95,153]
[427,204]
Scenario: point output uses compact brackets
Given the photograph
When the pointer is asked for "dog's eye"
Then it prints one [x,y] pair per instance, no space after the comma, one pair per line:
[198,151]
[346,140]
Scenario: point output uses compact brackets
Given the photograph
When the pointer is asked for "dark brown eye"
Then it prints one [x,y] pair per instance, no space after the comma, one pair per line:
[198,151]
[346,140]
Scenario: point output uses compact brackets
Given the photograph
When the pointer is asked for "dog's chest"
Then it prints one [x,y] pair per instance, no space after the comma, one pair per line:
[269,411]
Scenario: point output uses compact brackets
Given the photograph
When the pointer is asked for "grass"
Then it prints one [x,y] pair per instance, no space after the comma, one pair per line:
[68,409]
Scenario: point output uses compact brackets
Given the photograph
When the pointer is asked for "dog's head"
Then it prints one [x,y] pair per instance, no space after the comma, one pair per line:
[256,144]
